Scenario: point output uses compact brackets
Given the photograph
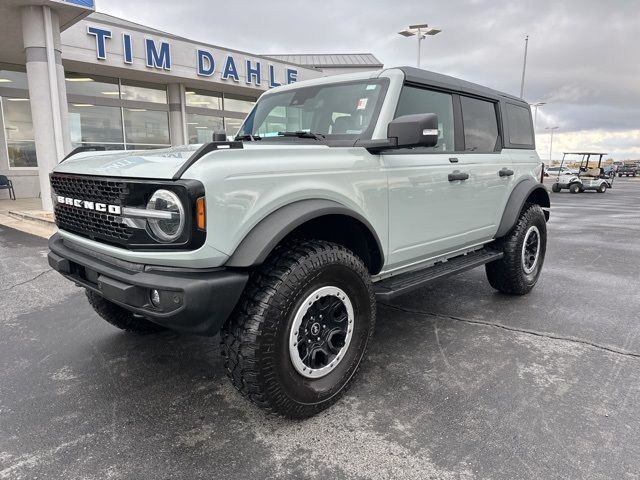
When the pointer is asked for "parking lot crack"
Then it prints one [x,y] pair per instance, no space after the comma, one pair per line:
[26,281]
[526,331]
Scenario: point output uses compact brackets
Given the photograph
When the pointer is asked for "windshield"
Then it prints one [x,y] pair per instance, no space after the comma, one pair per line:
[338,111]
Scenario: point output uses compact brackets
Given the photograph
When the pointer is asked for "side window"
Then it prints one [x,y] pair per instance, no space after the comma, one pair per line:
[520,126]
[418,100]
[480,125]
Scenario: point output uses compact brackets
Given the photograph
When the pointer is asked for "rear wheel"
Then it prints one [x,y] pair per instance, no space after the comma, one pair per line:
[119,317]
[574,188]
[301,329]
[524,249]
[555,187]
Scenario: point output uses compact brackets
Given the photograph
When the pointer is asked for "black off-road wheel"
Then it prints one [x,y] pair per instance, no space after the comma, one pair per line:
[121,318]
[524,249]
[299,333]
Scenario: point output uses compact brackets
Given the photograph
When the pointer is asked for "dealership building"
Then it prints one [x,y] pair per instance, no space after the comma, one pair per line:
[71,76]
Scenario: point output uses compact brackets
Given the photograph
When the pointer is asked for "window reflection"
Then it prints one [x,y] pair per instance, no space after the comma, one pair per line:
[19,132]
[92,85]
[201,99]
[95,124]
[143,92]
[146,126]
[236,103]
[200,128]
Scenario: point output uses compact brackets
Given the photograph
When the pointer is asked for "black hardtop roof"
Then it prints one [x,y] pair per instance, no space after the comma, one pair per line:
[417,75]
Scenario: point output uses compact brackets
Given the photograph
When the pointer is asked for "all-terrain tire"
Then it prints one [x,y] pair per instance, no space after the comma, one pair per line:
[509,274]
[255,342]
[119,317]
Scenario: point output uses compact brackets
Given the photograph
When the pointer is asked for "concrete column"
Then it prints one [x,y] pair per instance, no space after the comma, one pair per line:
[177,117]
[47,91]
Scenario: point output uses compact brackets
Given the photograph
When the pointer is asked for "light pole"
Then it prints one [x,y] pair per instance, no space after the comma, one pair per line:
[535,112]
[421,31]
[524,65]
[551,129]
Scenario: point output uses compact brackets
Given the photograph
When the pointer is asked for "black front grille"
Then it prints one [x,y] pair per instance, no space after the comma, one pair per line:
[90,222]
[91,189]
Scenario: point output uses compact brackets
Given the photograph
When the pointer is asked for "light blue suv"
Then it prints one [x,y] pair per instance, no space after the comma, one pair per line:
[336,192]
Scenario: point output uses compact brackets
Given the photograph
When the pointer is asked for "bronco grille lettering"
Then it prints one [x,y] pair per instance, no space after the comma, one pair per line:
[87,205]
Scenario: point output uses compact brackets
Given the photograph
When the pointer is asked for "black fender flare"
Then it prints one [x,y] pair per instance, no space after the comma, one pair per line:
[271,230]
[522,191]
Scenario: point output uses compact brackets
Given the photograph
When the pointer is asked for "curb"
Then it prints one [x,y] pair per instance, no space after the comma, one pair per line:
[28,217]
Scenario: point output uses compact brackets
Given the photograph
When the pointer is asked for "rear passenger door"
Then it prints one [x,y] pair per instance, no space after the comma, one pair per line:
[492,172]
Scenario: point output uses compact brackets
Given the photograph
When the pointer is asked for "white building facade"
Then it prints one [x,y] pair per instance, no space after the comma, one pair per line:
[71,77]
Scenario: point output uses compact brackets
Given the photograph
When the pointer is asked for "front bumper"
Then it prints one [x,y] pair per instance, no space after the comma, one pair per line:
[191,301]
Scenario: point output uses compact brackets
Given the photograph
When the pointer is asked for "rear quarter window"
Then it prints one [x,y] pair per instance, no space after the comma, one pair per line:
[520,125]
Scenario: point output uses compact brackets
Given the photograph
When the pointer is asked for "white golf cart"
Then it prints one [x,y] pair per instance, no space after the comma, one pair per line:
[587,178]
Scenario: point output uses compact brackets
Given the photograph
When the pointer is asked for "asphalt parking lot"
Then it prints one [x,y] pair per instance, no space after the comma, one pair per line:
[460,381]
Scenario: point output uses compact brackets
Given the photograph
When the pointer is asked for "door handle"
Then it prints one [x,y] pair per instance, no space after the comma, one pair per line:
[505,172]
[457,175]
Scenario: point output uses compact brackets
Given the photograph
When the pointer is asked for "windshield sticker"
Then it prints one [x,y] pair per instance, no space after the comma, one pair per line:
[371,87]
[362,104]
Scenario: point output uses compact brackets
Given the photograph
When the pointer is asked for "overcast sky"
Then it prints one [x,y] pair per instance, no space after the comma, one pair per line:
[584,55]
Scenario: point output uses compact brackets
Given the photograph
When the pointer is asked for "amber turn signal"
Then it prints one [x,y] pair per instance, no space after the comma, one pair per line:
[200,214]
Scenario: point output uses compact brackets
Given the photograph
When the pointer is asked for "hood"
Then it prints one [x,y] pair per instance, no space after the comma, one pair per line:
[153,164]
[161,163]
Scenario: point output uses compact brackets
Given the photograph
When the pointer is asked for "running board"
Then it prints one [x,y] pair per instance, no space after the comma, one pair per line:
[400,284]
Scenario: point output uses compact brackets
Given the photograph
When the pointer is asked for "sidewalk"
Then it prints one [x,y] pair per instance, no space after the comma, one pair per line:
[25,214]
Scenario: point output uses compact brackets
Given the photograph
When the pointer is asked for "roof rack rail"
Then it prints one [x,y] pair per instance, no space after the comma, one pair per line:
[88,148]
[202,151]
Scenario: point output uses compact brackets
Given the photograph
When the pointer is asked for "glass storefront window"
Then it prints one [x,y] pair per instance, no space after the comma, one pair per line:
[13,79]
[19,132]
[146,127]
[236,103]
[232,125]
[92,85]
[200,128]
[199,98]
[95,124]
[143,92]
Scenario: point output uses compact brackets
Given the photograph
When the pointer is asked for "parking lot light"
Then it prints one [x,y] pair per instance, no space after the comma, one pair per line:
[535,111]
[551,129]
[421,32]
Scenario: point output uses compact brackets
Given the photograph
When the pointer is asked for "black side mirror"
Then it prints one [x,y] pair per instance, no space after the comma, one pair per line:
[219,136]
[420,130]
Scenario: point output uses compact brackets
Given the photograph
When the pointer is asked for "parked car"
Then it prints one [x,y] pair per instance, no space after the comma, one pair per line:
[337,192]
[556,171]
[628,169]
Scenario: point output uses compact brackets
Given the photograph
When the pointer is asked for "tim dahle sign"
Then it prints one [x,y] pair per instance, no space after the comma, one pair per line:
[158,56]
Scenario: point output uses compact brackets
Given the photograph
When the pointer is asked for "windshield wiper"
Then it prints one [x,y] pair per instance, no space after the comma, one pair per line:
[302,134]
[247,136]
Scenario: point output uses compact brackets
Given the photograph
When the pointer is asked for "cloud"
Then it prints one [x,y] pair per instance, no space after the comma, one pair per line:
[582,59]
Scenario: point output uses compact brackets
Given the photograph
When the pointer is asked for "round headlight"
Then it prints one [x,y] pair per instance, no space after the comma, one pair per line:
[167,217]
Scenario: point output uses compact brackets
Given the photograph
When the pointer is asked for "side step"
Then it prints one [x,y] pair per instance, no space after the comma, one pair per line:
[392,287]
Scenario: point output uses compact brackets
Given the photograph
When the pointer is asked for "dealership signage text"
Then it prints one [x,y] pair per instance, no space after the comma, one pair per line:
[158,56]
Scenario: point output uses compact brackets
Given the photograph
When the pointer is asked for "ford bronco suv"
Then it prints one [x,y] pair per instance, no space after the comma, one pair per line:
[335,193]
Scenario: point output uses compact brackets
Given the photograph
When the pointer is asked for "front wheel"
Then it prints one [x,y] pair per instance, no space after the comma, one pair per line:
[575,188]
[602,188]
[524,249]
[555,187]
[301,329]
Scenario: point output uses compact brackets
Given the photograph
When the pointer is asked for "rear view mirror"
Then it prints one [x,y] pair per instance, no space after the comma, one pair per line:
[420,130]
